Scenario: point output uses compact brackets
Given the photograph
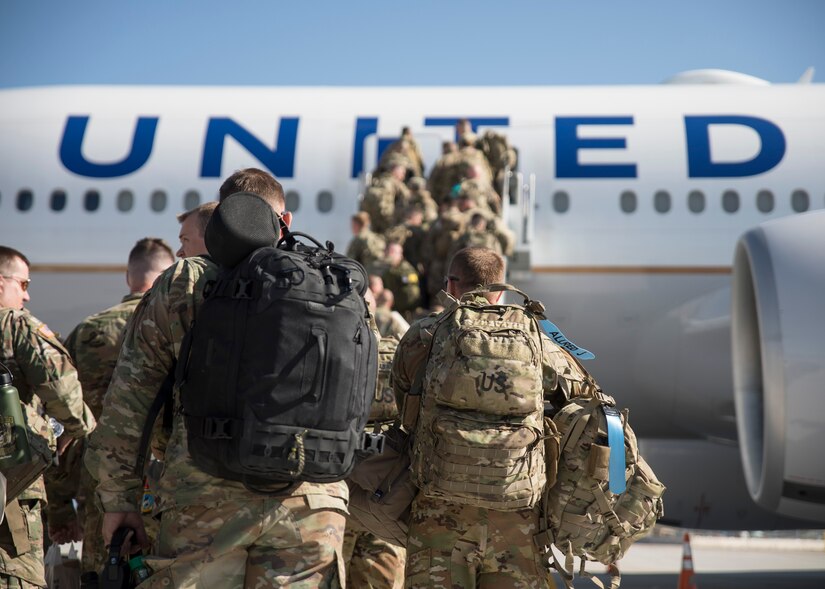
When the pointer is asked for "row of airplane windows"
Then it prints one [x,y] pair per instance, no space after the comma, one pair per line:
[730,200]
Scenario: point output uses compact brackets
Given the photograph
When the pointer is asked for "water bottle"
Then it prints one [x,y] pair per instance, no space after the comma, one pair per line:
[14,439]
[140,572]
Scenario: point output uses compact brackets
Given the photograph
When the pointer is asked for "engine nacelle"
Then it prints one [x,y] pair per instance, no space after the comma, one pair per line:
[778,339]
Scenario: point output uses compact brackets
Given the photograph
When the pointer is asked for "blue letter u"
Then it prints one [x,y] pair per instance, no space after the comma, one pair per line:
[71,149]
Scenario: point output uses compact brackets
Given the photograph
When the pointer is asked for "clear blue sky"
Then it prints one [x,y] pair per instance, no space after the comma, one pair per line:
[418,42]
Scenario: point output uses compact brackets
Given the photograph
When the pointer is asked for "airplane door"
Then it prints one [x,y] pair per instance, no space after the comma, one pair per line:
[525,212]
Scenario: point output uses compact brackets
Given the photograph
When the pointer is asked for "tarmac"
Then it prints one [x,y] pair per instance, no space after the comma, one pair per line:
[720,563]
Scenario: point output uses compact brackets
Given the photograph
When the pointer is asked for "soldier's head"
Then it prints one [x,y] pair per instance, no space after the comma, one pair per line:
[478,222]
[376,284]
[14,278]
[462,127]
[413,216]
[399,171]
[473,267]
[417,184]
[394,253]
[192,227]
[258,182]
[449,147]
[360,221]
[149,257]
[386,299]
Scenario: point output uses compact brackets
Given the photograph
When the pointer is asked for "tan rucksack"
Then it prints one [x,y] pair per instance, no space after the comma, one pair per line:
[581,515]
[480,434]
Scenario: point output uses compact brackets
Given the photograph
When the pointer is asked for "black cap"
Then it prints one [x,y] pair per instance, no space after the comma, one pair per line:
[241,223]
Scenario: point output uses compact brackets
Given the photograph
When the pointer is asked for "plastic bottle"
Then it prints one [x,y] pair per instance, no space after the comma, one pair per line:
[140,572]
[14,439]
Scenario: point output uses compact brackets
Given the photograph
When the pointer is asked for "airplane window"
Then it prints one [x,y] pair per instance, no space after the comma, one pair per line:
[800,202]
[325,201]
[627,201]
[91,200]
[730,201]
[661,201]
[191,199]
[125,200]
[561,201]
[158,201]
[25,200]
[293,201]
[58,200]
[764,201]
[696,201]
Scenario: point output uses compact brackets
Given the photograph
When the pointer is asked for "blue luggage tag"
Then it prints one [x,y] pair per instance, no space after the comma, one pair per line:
[555,334]
[615,439]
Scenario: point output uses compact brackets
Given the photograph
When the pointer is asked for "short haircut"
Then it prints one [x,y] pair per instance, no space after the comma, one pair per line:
[203,212]
[475,267]
[257,182]
[362,217]
[150,254]
[8,255]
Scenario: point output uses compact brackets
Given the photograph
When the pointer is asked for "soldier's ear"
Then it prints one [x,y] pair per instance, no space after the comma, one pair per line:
[287,217]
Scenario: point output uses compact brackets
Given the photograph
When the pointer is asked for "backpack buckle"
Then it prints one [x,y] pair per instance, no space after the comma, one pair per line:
[372,443]
[217,428]
[243,289]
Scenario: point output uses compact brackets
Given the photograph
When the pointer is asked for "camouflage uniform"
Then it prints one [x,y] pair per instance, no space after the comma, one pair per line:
[94,345]
[389,323]
[214,532]
[381,199]
[438,245]
[48,386]
[367,247]
[402,280]
[374,563]
[451,545]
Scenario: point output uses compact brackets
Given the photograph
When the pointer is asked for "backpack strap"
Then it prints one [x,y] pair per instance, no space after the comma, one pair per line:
[163,400]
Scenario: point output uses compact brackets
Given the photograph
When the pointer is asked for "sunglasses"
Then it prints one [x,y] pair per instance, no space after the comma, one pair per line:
[24,282]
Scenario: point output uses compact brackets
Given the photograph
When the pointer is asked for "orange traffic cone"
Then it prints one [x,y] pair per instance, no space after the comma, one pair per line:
[686,580]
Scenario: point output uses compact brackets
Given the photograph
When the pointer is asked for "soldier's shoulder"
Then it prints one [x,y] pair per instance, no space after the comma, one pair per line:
[184,277]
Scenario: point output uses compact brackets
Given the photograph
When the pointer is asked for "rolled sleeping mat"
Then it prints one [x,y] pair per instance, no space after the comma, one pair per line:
[241,223]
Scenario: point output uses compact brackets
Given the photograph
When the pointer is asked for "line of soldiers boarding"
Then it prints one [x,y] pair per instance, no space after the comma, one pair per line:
[207,532]
[410,226]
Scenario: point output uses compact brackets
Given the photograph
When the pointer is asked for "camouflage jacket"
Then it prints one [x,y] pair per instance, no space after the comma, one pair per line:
[367,247]
[95,344]
[150,348]
[44,377]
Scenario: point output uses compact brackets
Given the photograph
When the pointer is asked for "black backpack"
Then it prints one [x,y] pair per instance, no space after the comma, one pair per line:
[281,365]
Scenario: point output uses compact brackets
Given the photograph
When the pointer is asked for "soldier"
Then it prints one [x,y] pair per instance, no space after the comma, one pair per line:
[476,235]
[420,199]
[372,562]
[495,225]
[95,345]
[48,386]
[406,150]
[401,278]
[389,322]
[454,543]
[212,529]
[366,246]
[386,192]
[437,246]
[192,225]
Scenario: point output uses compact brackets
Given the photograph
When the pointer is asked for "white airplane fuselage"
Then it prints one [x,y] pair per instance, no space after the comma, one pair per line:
[628,234]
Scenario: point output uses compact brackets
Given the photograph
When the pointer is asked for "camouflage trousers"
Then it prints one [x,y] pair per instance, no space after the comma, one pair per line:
[372,563]
[23,571]
[291,542]
[452,546]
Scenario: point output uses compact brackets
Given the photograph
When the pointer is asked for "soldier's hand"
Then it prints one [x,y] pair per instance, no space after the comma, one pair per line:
[131,519]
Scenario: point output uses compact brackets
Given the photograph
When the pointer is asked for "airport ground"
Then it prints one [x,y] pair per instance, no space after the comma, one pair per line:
[734,561]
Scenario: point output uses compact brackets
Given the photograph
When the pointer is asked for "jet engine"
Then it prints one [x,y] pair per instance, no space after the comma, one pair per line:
[778,344]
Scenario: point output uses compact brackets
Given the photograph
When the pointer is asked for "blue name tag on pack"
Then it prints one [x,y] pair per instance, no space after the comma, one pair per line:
[555,334]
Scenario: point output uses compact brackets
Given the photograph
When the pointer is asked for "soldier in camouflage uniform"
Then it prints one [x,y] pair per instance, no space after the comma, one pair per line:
[405,150]
[386,192]
[192,227]
[214,532]
[402,279]
[476,235]
[95,345]
[420,199]
[366,246]
[458,546]
[389,323]
[48,386]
